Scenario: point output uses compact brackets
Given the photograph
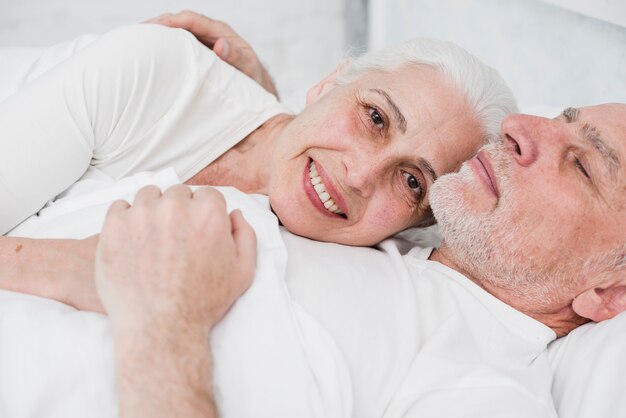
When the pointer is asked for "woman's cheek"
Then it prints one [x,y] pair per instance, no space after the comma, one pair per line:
[388,217]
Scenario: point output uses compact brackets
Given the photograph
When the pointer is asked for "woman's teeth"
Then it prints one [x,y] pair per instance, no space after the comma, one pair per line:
[319,187]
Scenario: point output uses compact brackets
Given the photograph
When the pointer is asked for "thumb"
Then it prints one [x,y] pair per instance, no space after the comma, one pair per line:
[222,49]
[245,241]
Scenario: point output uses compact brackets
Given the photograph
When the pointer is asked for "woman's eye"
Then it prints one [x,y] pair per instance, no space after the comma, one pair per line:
[413,183]
[581,168]
[377,118]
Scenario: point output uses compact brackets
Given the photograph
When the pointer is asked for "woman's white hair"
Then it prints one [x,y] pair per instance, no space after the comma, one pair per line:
[486,92]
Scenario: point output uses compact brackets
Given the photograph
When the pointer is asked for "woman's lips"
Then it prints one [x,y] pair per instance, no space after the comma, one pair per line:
[483,168]
[334,201]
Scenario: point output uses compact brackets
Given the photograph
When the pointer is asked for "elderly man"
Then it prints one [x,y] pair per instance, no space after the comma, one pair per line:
[533,246]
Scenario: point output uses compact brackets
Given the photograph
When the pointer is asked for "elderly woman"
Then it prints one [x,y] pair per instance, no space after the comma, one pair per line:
[354,167]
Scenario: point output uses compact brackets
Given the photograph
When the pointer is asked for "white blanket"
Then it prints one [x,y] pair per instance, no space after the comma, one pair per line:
[271,358]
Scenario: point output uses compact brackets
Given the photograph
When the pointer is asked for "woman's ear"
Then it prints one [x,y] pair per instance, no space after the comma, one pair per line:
[327,83]
[599,304]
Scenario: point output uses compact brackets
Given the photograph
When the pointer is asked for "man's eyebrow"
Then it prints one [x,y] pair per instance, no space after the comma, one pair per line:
[609,155]
[400,119]
[425,166]
[570,114]
[592,135]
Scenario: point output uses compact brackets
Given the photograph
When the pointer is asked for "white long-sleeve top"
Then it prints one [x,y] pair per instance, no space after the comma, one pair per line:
[139,98]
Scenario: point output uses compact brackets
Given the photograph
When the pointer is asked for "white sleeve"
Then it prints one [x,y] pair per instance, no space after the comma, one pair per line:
[21,65]
[92,109]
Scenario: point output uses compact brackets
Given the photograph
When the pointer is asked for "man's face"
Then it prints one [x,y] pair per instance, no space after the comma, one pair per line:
[528,214]
[370,150]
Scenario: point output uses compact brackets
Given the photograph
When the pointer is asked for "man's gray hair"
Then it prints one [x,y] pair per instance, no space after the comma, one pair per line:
[484,89]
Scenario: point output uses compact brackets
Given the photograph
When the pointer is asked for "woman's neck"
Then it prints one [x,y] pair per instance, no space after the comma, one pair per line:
[246,166]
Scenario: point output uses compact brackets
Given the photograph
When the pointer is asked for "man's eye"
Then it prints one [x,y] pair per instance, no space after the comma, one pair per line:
[581,168]
[377,118]
[413,183]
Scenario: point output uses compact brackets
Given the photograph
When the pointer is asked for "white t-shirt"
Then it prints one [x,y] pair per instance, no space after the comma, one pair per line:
[139,98]
[415,338]
[420,339]
[270,358]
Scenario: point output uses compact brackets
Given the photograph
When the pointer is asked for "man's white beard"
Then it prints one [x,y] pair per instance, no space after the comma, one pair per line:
[487,245]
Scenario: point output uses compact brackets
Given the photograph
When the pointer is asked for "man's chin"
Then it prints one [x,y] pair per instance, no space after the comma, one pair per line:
[446,197]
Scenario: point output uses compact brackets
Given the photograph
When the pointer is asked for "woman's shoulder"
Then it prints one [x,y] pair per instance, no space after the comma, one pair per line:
[152,41]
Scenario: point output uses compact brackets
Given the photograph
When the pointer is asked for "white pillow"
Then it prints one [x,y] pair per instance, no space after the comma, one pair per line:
[589,370]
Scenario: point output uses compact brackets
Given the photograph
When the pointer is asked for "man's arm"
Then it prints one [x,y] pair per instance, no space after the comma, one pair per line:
[167,270]
[224,41]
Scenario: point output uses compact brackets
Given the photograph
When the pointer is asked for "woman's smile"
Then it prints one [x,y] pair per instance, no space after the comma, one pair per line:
[321,191]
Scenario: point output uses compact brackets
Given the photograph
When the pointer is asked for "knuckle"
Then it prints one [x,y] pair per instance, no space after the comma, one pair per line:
[116,207]
[185,13]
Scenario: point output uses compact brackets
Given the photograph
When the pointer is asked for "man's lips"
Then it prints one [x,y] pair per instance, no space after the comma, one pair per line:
[328,186]
[481,164]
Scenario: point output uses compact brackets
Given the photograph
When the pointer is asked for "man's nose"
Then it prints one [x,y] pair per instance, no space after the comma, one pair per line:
[521,134]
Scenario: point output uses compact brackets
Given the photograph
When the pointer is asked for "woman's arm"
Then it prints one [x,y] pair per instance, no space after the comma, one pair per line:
[60,269]
[104,107]
[49,132]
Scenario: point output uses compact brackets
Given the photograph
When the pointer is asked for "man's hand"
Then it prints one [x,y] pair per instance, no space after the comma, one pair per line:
[173,256]
[224,41]
[167,269]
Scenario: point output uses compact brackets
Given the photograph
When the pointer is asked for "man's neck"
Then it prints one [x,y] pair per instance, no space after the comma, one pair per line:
[561,319]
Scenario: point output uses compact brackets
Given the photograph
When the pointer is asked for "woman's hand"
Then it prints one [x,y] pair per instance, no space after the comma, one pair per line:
[224,41]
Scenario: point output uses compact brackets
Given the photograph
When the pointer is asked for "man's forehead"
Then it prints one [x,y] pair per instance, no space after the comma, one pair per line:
[610,115]
[608,119]
[604,126]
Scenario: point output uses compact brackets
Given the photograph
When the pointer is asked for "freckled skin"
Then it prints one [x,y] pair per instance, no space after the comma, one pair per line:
[365,165]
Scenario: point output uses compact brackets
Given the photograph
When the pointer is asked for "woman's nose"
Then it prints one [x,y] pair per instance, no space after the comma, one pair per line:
[361,172]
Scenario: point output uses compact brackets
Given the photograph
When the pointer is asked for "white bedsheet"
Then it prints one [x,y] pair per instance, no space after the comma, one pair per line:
[271,358]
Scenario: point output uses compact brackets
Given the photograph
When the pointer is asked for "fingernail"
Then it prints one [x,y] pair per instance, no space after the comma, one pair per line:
[225,49]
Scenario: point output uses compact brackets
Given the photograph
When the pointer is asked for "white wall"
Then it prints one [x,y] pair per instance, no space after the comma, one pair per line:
[300,41]
[549,55]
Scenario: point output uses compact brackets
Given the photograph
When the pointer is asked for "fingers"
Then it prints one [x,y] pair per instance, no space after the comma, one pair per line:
[210,195]
[179,191]
[116,209]
[245,242]
[225,42]
[119,205]
[204,28]
[222,49]
[146,195]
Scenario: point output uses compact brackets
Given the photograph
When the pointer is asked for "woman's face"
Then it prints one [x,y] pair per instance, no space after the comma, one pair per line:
[356,165]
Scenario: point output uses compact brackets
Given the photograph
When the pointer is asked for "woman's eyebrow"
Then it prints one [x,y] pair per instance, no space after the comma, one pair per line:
[424,165]
[400,119]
